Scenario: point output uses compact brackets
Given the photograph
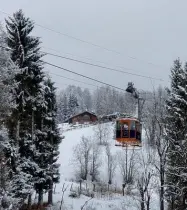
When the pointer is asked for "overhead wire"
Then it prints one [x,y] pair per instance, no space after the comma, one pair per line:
[65,84]
[101,82]
[103,67]
[81,75]
[70,71]
[95,45]
[99,66]
[87,42]
[73,79]
[97,61]
[84,57]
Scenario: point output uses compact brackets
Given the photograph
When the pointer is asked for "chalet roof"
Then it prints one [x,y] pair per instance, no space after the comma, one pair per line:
[91,113]
[128,118]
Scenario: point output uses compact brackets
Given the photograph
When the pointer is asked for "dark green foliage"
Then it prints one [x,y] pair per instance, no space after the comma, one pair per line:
[48,140]
[32,124]
[27,97]
[25,53]
[177,135]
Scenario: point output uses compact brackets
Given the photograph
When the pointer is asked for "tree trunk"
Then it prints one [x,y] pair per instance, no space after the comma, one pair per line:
[162,189]
[29,202]
[126,166]
[50,193]
[142,199]
[148,202]
[86,168]
[32,126]
[80,187]
[172,203]
[183,202]
[2,174]
[17,131]
[40,197]
[94,187]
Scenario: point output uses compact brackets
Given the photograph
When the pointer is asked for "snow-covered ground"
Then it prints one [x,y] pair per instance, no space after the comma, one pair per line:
[113,201]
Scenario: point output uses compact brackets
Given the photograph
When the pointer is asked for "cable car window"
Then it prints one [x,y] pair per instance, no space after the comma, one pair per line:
[118,130]
[137,127]
[118,127]
[133,125]
[126,126]
[132,130]
[138,131]
[125,130]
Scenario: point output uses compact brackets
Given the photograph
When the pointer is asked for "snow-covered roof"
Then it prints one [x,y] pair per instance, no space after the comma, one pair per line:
[128,118]
[83,113]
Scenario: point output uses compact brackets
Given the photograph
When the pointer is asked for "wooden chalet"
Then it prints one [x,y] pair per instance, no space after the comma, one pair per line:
[81,118]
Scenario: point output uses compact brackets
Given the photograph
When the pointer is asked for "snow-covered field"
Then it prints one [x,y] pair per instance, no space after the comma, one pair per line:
[114,201]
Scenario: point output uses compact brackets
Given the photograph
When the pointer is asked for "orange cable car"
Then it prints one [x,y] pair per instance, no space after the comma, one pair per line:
[128,132]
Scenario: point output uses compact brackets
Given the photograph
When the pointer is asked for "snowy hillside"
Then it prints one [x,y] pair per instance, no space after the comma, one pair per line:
[108,200]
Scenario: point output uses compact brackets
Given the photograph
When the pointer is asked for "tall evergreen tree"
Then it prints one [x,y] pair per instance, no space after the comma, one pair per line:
[7,82]
[25,53]
[53,137]
[47,143]
[177,136]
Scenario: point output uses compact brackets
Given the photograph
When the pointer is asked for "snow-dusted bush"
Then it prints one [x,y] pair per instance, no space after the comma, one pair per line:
[74,194]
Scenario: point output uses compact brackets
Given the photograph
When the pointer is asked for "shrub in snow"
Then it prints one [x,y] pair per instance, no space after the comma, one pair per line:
[73,194]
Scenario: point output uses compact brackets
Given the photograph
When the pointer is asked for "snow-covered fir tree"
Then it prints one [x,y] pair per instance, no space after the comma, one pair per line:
[25,53]
[7,82]
[72,104]
[53,135]
[48,140]
[177,136]
[62,107]
[65,108]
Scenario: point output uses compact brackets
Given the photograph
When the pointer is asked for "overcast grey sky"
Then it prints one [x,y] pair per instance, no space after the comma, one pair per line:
[153,31]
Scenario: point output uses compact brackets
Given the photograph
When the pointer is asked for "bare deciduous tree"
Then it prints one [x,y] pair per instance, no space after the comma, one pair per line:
[102,133]
[111,164]
[95,161]
[64,188]
[155,133]
[144,178]
[127,165]
[82,153]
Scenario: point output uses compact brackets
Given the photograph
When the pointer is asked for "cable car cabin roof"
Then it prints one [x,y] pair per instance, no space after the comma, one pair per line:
[127,119]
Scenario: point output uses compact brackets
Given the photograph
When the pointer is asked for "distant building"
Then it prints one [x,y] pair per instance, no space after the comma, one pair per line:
[84,117]
[109,117]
